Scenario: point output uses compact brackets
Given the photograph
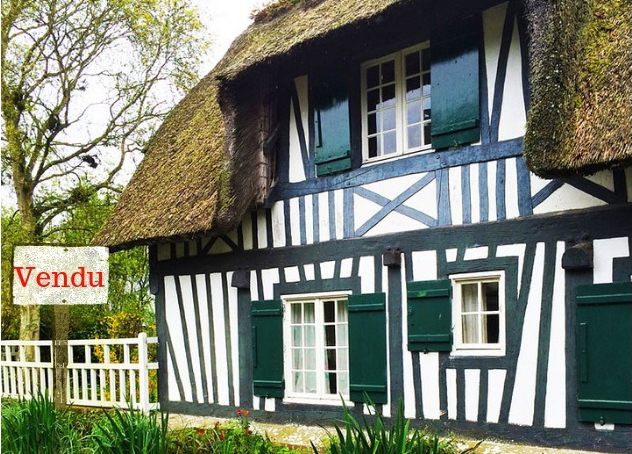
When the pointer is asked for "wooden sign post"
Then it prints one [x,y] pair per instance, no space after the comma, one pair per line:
[61,328]
[60,276]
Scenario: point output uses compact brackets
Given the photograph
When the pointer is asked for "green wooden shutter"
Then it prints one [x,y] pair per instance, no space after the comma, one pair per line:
[604,352]
[430,316]
[455,89]
[331,126]
[267,348]
[367,347]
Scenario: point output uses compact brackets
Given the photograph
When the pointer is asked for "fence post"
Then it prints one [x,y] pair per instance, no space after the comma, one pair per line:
[143,372]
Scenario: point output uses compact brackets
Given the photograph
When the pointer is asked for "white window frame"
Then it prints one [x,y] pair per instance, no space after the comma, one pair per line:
[320,397]
[459,348]
[400,106]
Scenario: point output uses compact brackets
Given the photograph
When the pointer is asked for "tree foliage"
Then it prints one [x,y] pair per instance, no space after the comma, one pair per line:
[84,84]
[130,305]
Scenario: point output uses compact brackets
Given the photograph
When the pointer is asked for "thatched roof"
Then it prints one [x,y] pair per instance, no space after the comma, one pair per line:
[288,24]
[181,186]
[580,119]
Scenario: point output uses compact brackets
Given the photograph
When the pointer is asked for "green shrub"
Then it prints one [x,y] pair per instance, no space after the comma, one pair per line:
[34,426]
[131,432]
[372,437]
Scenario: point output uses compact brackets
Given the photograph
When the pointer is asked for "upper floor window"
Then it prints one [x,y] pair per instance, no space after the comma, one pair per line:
[396,107]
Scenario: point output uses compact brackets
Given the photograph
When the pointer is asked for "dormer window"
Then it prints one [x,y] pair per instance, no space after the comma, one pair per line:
[396,109]
[419,99]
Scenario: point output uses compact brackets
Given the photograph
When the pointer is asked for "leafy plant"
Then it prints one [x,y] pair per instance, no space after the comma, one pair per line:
[131,432]
[372,436]
[34,426]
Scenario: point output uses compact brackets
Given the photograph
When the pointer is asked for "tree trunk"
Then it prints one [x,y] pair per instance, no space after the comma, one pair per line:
[30,314]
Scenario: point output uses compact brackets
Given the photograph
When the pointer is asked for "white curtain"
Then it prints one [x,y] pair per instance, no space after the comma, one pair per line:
[469,303]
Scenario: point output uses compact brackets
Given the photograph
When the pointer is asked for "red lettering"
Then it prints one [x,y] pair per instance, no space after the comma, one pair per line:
[43,279]
[99,281]
[57,275]
[81,274]
[18,270]
[60,278]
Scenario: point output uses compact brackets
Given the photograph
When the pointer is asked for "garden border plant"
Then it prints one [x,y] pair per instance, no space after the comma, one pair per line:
[372,436]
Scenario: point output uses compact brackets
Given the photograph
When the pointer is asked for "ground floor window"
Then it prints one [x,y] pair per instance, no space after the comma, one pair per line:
[316,352]
[478,313]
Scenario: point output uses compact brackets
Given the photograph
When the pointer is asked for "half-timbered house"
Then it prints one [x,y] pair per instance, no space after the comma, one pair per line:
[373,199]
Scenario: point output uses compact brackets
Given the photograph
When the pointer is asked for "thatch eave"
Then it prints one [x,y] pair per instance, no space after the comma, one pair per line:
[580,118]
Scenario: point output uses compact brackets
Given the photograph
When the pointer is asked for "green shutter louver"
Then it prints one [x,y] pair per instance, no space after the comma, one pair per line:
[367,347]
[604,352]
[430,316]
[455,89]
[267,348]
[331,126]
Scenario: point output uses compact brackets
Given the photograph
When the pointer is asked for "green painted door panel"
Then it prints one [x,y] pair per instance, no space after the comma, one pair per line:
[455,86]
[604,352]
[267,348]
[367,347]
[331,125]
[430,316]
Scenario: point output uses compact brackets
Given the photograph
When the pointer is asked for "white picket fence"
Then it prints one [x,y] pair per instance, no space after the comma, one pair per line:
[120,378]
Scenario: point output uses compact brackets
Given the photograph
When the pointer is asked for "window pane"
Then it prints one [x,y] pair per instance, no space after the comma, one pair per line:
[388,96]
[297,337]
[310,359]
[490,296]
[427,136]
[413,88]
[413,113]
[388,120]
[310,336]
[343,359]
[298,382]
[426,109]
[470,329]
[390,144]
[329,311]
[414,136]
[372,123]
[372,76]
[491,328]
[297,358]
[427,86]
[296,313]
[308,313]
[331,386]
[343,383]
[412,63]
[330,335]
[341,335]
[373,147]
[372,99]
[425,59]
[342,312]
[310,382]
[330,359]
[388,71]
[469,297]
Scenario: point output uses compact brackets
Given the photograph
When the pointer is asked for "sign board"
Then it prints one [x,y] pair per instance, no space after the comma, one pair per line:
[60,275]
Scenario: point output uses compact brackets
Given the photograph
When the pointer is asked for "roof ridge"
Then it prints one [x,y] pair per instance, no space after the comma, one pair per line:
[277,8]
